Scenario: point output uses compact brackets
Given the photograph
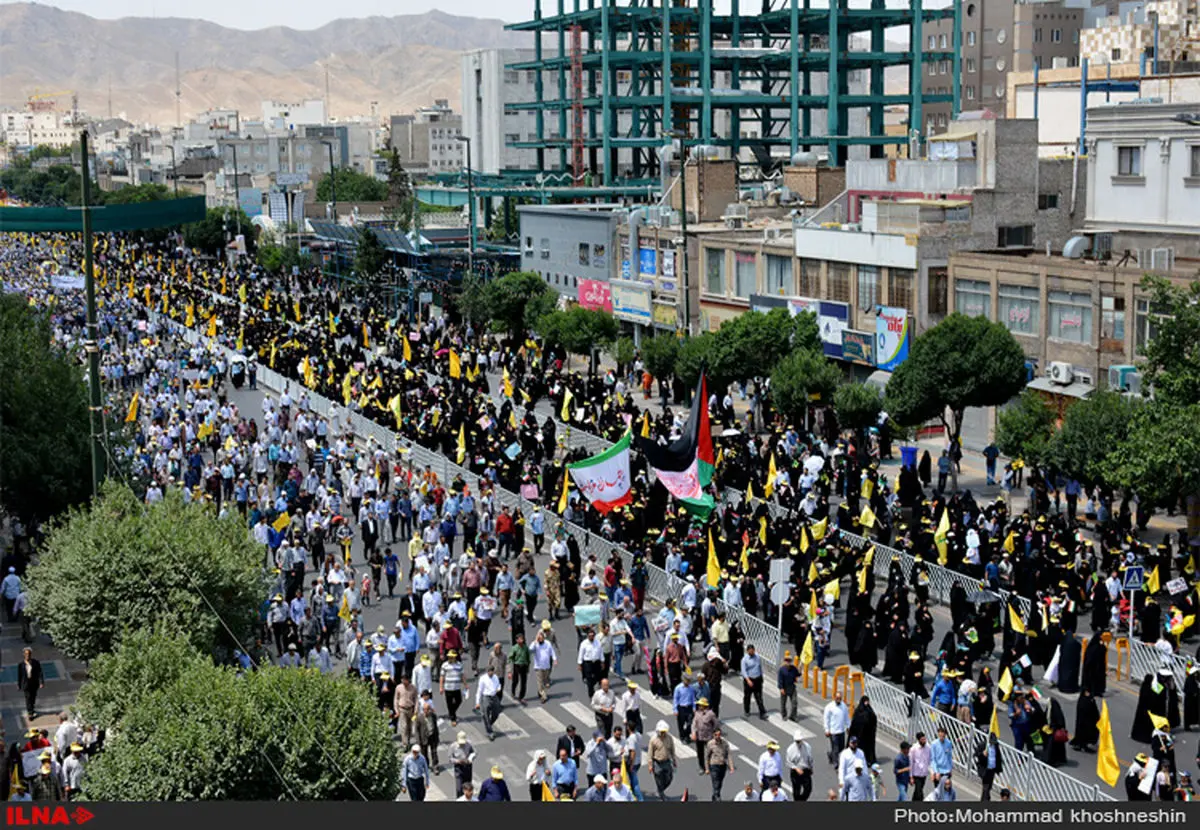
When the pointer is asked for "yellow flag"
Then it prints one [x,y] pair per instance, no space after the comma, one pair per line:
[508,387]
[394,406]
[296,309]
[819,529]
[212,326]
[1151,585]
[624,772]
[562,500]
[1158,721]
[1014,621]
[994,726]
[346,393]
[745,560]
[646,424]
[241,338]
[862,579]
[146,294]
[224,284]
[344,611]
[714,564]
[455,365]
[812,572]
[242,292]
[749,492]
[1108,767]
[772,472]
[266,300]
[867,517]
[282,522]
[565,414]
[271,362]
[462,442]
[512,418]
[804,540]
[808,652]
[547,793]
[332,324]
[131,415]
[939,535]
[1006,684]
[1010,542]
[762,529]
[366,340]
[407,347]
[190,319]
[310,374]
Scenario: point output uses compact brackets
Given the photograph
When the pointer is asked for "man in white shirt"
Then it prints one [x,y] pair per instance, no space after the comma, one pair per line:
[850,758]
[747,794]
[770,766]
[487,699]
[837,721]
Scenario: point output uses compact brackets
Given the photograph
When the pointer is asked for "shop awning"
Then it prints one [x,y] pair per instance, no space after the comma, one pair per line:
[1068,390]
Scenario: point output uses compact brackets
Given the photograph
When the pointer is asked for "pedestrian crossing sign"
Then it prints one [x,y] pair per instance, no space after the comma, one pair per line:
[1135,577]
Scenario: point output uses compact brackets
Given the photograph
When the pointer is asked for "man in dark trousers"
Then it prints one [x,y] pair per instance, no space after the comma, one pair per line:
[370,534]
[30,680]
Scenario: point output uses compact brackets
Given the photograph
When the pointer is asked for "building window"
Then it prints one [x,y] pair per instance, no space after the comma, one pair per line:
[1037,35]
[1070,316]
[900,288]
[1075,37]
[810,278]
[933,65]
[1056,35]
[745,275]
[839,282]
[970,38]
[1019,307]
[970,64]
[970,92]
[779,275]
[868,287]
[1112,323]
[1047,201]
[1149,318]
[511,138]
[1116,54]
[942,41]
[938,291]
[1129,161]
[1195,161]
[1015,236]
[545,247]
[512,77]
[973,298]
[933,41]
[715,273]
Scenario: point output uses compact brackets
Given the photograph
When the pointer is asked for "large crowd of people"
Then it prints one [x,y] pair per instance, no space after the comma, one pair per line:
[478,580]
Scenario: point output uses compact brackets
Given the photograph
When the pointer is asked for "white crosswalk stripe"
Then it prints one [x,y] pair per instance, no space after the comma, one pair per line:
[434,791]
[752,733]
[585,717]
[545,721]
[508,728]
[658,705]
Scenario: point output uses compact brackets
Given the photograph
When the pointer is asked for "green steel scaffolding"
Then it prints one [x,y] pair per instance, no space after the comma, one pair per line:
[641,70]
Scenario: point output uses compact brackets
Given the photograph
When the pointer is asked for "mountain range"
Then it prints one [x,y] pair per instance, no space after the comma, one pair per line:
[401,62]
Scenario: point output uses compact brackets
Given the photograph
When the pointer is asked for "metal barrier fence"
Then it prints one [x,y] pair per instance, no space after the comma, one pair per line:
[1030,779]
[899,714]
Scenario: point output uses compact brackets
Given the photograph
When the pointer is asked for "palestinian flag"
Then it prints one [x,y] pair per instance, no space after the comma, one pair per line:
[685,466]
[604,479]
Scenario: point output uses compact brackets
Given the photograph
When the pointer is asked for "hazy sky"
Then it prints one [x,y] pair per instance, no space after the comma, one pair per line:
[299,14]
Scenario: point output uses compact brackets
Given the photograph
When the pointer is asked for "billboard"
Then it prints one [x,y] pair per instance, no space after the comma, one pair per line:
[250,199]
[832,318]
[666,315]
[858,347]
[595,295]
[631,301]
[648,262]
[891,337]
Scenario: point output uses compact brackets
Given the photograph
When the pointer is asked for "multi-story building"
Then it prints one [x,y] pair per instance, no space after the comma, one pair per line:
[282,115]
[999,36]
[1143,178]
[427,141]
[356,141]
[489,90]
[1134,30]
[293,160]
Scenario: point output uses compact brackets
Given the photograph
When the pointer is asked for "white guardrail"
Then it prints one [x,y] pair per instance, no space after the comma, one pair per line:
[899,714]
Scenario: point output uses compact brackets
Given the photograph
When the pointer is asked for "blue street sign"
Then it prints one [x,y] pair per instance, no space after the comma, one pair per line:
[1135,577]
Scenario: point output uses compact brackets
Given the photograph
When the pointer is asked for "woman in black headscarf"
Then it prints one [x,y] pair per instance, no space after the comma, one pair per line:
[925,469]
[960,608]
[1191,697]
[867,653]
[863,726]
[895,653]
[1056,736]
[1094,676]
[1068,664]
[1101,606]
[1087,722]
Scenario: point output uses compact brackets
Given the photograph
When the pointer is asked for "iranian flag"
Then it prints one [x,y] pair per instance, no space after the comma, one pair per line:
[604,479]
[685,466]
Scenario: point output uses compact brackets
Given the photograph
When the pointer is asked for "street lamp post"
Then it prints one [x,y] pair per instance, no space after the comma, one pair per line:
[466,139]
[174,169]
[237,193]
[683,219]
[92,339]
[337,266]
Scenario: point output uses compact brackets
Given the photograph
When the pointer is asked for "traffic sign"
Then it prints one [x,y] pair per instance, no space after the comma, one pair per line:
[781,574]
[1135,577]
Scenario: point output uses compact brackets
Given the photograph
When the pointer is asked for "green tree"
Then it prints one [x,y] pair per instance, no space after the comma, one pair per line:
[516,301]
[281,258]
[581,331]
[1090,429]
[1172,357]
[399,207]
[751,345]
[959,363]
[506,222]
[118,566]
[803,378]
[271,735]
[857,406]
[210,233]
[659,353]
[352,186]
[695,353]
[370,257]
[1026,428]
[622,351]
[472,299]
[146,661]
[45,453]
[138,194]
[1159,458]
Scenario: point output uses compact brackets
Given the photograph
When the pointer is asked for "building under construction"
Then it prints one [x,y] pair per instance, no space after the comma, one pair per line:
[616,79]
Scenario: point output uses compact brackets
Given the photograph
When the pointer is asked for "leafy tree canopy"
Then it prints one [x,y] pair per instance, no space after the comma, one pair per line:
[1160,457]
[1090,429]
[281,258]
[271,735]
[138,194]
[119,566]
[208,235]
[352,186]
[799,377]
[659,353]
[1024,430]
[45,452]
[857,405]
[370,257]
[578,329]
[513,303]
[1172,364]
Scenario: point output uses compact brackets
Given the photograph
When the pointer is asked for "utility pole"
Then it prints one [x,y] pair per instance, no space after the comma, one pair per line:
[683,214]
[237,193]
[174,169]
[92,341]
[337,266]
[466,139]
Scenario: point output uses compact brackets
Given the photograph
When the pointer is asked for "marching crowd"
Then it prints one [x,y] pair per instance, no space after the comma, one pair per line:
[478,580]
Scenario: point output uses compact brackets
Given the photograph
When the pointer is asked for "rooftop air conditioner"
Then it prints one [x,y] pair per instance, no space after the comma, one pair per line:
[1060,372]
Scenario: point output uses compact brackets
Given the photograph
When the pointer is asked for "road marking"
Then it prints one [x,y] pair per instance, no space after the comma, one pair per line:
[434,792]
[508,728]
[658,705]
[583,714]
[751,733]
[540,714]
